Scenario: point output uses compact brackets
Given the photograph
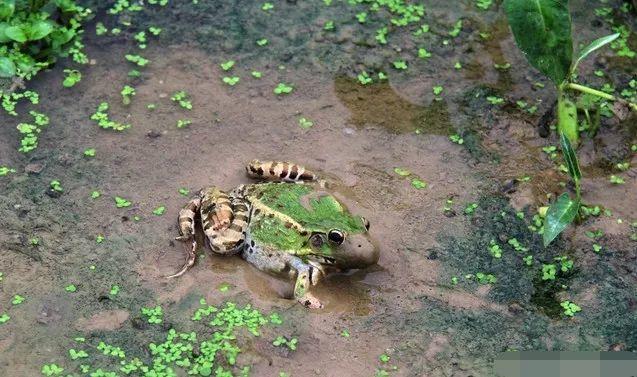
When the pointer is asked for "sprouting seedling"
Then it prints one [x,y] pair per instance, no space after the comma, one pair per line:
[282,88]
[267,6]
[154,30]
[89,152]
[502,67]
[127,93]
[457,28]
[100,29]
[184,191]
[95,194]
[361,17]
[137,59]
[423,29]
[616,180]
[73,76]
[305,123]
[17,300]
[141,39]
[4,170]
[70,288]
[183,123]
[102,119]
[328,26]
[262,42]
[484,4]
[56,185]
[226,66]
[364,78]
[231,80]
[183,99]
[121,202]
[437,90]
[159,210]
[134,73]
[154,315]
[99,238]
[495,100]
[381,35]
[400,64]
[256,74]
[570,308]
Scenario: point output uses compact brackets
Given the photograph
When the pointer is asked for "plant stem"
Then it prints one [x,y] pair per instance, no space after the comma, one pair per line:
[598,93]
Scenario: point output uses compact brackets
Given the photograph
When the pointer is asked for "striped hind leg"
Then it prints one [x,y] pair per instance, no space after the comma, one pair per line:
[279,171]
[186,225]
[230,238]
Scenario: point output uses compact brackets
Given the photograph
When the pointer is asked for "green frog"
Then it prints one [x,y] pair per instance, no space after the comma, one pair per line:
[287,225]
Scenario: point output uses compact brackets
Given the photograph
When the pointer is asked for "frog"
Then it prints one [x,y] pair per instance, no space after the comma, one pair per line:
[288,224]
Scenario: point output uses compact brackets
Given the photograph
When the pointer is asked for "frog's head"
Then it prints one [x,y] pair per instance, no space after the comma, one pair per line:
[343,249]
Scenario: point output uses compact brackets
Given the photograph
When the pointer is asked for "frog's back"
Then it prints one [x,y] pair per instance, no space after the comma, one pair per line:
[308,205]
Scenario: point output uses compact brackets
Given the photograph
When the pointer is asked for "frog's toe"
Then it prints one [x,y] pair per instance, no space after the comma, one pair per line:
[311,302]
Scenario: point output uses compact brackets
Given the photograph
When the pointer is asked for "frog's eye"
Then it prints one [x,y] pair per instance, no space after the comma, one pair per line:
[336,236]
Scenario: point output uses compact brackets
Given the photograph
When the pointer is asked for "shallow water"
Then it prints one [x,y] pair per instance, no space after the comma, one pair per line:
[406,307]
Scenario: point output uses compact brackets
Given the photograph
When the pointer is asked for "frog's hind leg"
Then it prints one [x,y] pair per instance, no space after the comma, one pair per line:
[225,219]
[186,224]
[279,171]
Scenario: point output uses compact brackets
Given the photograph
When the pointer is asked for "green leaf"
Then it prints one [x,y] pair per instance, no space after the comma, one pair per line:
[7,67]
[39,30]
[15,33]
[542,30]
[7,7]
[571,158]
[559,216]
[594,45]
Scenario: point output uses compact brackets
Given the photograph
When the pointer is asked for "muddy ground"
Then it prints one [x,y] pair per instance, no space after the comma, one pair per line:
[407,307]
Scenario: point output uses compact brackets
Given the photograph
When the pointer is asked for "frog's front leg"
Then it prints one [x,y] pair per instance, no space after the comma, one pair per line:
[306,276]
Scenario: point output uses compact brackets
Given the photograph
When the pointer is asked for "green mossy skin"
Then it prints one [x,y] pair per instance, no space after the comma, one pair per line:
[324,213]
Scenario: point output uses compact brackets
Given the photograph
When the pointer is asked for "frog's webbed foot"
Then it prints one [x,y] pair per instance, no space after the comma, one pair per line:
[279,171]
[186,225]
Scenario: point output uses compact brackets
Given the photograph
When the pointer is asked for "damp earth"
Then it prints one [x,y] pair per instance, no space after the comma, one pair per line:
[422,311]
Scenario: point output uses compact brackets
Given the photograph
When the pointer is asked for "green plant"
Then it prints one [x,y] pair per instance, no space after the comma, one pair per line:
[183,99]
[70,288]
[282,88]
[423,53]
[400,64]
[267,6]
[484,4]
[4,318]
[256,74]
[495,249]
[4,170]
[232,80]
[56,186]
[121,202]
[73,76]
[81,354]
[17,300]
[262,42]
[364,78]
[159,210]
[564,210]
[184,191]
[183,123]
[226,66]
[570,308]
[290,343]
[127,93]
[34,34]
[51,370]
[90,152]
[154,315]
[305,123]
[137,59]
[95,194]
[102,119]
[542,30]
